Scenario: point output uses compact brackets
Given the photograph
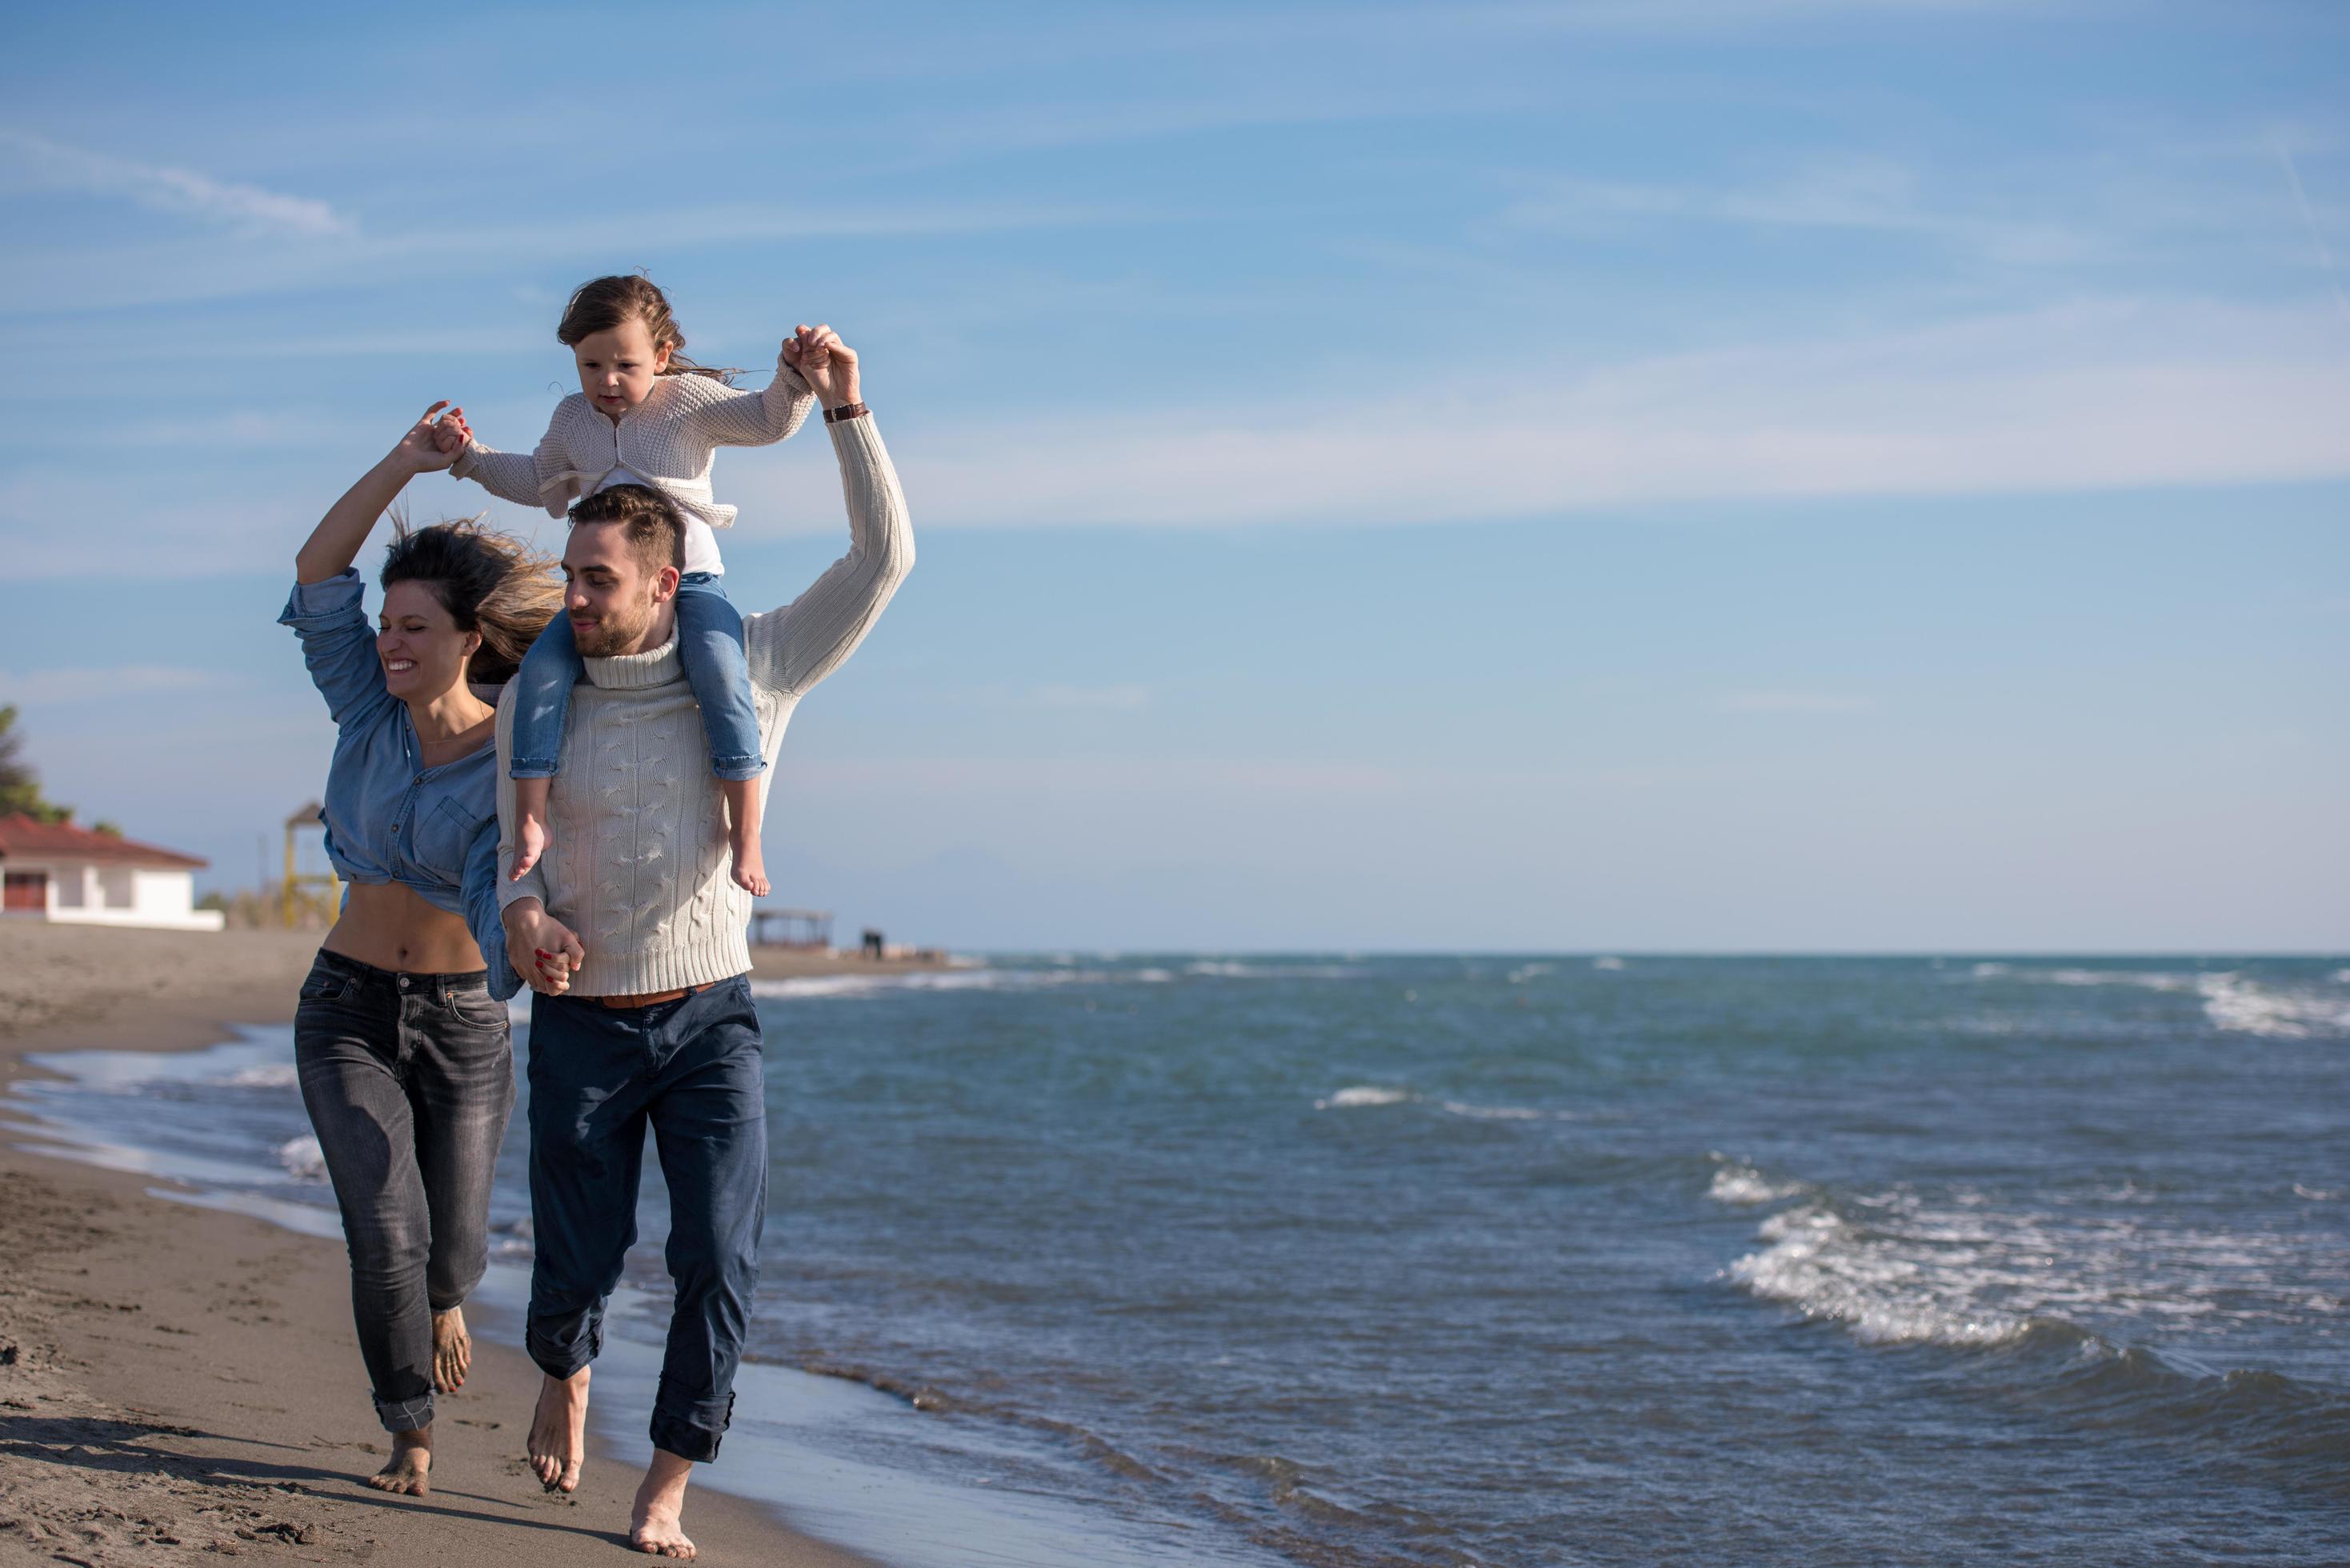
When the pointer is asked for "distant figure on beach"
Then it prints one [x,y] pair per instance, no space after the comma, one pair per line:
[400,1036]
[644,414]
[635,939]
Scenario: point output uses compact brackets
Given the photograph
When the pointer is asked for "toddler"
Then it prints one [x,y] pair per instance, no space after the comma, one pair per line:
[644,414]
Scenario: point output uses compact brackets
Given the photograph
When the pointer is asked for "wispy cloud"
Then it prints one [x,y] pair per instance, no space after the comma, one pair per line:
[164,189]
[1796,703]
[1858,193]
[2096,395]
[36,688]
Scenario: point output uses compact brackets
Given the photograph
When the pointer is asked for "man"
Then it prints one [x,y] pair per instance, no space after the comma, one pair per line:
[633,935]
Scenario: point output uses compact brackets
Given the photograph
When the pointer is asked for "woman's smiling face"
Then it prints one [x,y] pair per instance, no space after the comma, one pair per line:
[617,366]
[417,641]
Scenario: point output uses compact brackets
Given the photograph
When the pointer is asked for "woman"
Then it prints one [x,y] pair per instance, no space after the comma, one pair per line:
[400,1039]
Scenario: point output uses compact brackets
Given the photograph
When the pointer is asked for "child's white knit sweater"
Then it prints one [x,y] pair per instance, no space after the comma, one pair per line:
[667,441]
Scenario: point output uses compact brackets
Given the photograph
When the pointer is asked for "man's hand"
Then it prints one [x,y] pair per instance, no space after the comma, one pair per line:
[434,442]
[826,364]
[544,950]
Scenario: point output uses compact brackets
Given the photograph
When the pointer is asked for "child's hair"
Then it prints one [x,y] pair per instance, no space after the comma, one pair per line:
[601,304]
[489,582]
[656,534]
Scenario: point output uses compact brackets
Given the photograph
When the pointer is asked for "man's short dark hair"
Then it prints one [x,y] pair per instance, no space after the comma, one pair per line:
[656,534]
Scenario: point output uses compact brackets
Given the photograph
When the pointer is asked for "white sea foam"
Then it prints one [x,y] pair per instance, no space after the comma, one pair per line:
[1225,969]
[1738,1183]
[1608,963]
[1989,970]
[1525,972]
[2233,1003]
[1961,1268]
[1491,1113]
[822,986]
[1363,1095]
[303,1158]
[281,1075]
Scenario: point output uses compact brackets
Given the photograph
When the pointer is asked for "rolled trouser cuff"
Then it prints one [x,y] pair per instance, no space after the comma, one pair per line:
[405,1414]
[692,1429]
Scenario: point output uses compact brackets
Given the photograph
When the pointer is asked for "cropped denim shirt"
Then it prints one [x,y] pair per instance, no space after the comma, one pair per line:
[390,818]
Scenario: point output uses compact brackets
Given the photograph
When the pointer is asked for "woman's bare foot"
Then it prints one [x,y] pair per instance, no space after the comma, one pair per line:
[657,1522]
[530,824]
[453,1350]
[408,1472]
[558,1431]
[742,834]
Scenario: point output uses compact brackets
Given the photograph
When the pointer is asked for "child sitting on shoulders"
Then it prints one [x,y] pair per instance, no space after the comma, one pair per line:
[644,414]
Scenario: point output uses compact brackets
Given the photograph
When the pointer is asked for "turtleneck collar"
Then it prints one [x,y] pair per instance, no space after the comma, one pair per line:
[636,671]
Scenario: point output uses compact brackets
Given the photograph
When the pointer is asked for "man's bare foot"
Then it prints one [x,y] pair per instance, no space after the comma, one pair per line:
[408,1472]
[558,1431]
[453,1350]
[530,824]
[656,1524]
[742,796]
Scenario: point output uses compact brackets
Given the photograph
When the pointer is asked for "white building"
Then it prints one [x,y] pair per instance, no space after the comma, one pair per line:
[56,871]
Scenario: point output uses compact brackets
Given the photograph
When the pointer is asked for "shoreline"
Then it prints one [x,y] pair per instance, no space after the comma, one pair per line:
[178,1382]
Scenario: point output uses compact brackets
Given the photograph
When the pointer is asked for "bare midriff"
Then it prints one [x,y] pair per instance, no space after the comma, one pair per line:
[389,925]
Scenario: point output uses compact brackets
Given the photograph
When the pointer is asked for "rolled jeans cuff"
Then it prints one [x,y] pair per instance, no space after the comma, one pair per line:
[693,1429]
[405,1414]
[732,768]
[562,1357]
[530,768]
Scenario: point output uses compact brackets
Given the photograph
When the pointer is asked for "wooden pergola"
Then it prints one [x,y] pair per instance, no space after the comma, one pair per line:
[791,927]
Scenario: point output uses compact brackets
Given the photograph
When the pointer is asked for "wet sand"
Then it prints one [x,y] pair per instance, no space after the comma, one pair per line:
[180,1383]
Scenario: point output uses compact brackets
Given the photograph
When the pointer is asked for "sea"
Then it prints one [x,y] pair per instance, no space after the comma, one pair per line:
[1350,1260]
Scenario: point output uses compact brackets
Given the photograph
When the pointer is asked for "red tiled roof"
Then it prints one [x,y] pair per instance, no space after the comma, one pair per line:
[20,835]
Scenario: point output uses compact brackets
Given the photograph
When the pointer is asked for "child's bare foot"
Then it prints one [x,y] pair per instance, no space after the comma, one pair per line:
[530,825]
[742,834]
[657,1522]
[750,871]
[453,1350]
[558,1431]
[409,1470]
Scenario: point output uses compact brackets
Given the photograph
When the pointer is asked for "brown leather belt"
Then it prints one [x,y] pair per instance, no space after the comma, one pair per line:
[648,998]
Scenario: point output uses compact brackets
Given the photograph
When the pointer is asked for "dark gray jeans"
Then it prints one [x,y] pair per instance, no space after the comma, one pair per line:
[409,1079]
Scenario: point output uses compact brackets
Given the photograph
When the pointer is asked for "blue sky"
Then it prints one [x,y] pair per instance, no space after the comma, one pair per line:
[1688,474]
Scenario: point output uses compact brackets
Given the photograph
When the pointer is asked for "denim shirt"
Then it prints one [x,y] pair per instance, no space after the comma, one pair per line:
[388,819]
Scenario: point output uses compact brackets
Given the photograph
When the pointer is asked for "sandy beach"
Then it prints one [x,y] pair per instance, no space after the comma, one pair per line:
[179,1384]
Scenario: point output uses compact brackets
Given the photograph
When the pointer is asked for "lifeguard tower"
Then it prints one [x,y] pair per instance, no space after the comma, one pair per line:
[289,895]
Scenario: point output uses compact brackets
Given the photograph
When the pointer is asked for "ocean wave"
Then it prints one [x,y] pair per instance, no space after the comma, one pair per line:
[303,1159]
[1364,1095]
[1608,963]
[1525,972]
[1225,969]
[2233,1002]
[278,1076]
[1895,1268]
[1735,1182]
[1490,1113]
[828,987]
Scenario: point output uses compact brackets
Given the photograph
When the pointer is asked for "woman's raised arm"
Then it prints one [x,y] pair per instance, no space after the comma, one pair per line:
[334,542]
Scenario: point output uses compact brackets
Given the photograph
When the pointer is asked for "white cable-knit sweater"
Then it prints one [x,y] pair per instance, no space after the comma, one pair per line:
[667,441]
[636,862]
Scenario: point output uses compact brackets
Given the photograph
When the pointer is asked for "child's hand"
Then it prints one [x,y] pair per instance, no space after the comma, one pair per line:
[452,433]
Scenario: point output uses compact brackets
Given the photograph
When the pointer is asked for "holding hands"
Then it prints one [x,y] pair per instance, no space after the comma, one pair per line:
[543,949]
[824,362]
[434,442]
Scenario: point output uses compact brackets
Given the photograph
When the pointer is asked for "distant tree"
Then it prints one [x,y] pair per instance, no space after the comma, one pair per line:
[20,786]
[111,830]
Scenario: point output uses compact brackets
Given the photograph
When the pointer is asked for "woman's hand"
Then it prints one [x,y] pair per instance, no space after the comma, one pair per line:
[824,362]
[434,442]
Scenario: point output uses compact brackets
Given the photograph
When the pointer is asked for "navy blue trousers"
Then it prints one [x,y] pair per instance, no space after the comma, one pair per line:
[692,1070]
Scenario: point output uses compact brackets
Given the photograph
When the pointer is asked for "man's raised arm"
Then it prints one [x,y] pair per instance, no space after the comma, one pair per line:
[792,649]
